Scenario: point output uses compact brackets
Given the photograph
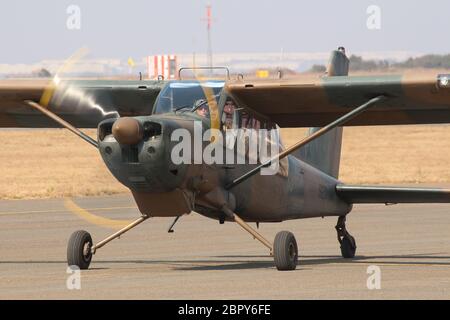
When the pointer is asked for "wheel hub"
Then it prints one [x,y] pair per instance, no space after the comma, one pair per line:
[291,251]
[87,251]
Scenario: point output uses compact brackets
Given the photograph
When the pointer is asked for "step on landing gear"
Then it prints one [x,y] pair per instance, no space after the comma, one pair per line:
[347,242]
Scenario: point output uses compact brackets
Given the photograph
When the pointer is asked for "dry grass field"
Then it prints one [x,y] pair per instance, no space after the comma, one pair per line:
[51,163]
[392,154]
[55,163]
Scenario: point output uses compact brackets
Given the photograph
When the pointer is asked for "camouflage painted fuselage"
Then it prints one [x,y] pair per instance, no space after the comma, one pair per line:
[162,188]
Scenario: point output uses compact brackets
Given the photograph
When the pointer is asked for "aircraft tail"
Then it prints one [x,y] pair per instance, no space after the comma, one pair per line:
[324,153]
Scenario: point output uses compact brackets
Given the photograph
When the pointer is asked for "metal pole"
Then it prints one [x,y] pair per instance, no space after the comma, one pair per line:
[118,233]
[173,224]
[249,229]
[209,22]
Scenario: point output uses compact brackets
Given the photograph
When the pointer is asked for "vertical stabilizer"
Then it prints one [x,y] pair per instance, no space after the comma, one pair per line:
[324,153]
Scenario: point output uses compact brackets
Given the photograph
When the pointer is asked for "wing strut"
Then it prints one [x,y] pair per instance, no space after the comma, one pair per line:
[339,122]
[62,122]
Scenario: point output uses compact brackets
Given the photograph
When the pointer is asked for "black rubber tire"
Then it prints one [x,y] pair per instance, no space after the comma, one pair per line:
[348,247]
[79,249]
[285,251]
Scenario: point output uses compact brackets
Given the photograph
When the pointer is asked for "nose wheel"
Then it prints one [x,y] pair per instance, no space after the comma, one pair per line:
[79,249]
[346,240]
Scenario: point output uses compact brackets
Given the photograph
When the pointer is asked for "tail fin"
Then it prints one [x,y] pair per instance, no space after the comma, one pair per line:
[324,153]
[338,64]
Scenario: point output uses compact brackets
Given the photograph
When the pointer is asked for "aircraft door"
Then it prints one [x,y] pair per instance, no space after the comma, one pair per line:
[250,138]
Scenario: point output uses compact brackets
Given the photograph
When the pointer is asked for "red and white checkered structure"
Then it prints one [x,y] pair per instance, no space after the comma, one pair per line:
[162,65]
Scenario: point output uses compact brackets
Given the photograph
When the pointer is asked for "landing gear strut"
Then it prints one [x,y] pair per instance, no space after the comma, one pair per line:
[80,249]
[347,242]
[284,250]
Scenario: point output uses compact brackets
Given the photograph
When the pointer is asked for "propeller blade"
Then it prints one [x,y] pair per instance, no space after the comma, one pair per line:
[94,219]
[76,96]
[64,68]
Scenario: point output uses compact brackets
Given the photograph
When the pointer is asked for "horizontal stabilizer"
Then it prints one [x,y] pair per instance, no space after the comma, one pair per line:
[379,194]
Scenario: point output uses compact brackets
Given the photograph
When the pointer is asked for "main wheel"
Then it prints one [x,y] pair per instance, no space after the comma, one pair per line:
[348,247]
[285,251]
[79,249]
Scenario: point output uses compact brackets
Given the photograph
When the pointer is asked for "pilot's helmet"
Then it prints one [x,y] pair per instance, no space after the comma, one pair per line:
[199,102]
[201,107]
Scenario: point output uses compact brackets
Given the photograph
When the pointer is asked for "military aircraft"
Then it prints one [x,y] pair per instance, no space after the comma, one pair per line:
[137,121]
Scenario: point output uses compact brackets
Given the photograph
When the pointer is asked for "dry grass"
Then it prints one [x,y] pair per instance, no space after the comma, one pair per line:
[51,163]
[55,163]
[392,154]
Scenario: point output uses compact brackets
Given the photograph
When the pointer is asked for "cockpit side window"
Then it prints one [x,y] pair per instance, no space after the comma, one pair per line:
[234,117]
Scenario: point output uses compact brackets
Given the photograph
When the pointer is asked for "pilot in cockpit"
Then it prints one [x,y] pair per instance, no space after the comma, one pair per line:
[201,108]
[228,114]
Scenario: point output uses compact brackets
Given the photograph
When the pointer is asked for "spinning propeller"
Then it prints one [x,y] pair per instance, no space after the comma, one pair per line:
[62,95]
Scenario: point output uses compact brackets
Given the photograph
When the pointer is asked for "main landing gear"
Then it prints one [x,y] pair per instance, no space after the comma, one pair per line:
[80,249]
[347,242]
[284,250]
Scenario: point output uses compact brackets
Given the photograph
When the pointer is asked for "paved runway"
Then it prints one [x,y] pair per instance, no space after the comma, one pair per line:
[204,260]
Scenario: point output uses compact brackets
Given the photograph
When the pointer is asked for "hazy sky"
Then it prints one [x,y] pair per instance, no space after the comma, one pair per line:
[31,31]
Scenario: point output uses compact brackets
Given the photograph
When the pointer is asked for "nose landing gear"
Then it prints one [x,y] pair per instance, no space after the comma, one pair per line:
[80,249]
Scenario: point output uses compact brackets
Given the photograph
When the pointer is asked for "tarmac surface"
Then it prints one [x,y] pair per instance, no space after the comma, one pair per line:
[205,260]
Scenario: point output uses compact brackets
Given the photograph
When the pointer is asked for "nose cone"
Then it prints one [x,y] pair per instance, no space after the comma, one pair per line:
[127,131]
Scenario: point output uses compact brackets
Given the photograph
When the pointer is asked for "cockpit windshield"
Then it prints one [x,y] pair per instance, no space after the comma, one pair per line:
[188,96]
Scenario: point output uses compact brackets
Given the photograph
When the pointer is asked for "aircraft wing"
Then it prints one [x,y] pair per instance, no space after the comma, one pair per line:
[315,102]
[83,103]
[379,194]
